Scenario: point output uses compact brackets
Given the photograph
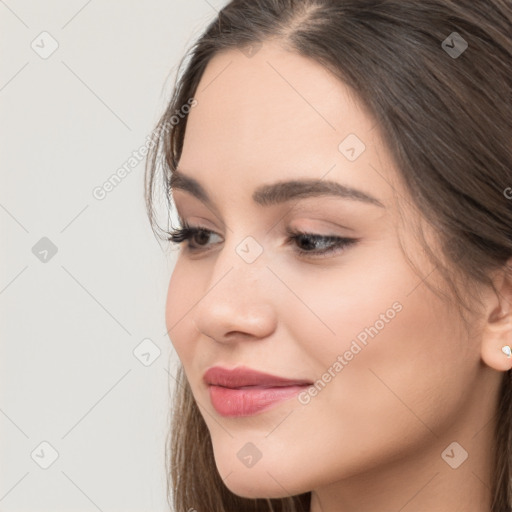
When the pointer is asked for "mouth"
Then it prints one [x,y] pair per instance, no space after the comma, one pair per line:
[243,391]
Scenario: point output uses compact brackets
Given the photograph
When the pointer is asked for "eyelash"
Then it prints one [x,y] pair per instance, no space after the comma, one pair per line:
[187,232]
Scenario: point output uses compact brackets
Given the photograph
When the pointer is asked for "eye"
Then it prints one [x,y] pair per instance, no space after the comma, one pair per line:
[331,244]
[190,234]
[197,239]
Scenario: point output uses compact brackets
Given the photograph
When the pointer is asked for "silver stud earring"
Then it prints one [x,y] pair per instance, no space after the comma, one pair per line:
[507,350]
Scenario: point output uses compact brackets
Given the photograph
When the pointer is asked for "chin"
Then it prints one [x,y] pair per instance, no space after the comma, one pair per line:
[269,477]
[261,481]
[253,487]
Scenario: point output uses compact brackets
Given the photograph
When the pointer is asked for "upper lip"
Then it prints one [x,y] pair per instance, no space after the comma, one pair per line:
[244,376]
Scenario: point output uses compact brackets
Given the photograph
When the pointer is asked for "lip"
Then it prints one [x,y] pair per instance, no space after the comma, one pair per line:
[243,391]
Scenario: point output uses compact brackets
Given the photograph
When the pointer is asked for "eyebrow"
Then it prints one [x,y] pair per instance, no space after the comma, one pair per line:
[279,192]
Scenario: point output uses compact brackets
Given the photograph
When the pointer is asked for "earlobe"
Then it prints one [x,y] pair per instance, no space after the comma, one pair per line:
[497,333]
[496,357]
[496,345]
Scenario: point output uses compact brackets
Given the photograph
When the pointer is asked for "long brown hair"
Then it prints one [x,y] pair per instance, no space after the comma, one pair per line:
[445,113]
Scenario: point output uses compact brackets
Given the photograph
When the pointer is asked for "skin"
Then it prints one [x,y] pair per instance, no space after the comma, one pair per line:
[373,438]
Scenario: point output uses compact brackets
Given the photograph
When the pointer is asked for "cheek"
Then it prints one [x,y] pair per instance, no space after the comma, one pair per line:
[355,301]
[400,351]
[181,296]
[375,301]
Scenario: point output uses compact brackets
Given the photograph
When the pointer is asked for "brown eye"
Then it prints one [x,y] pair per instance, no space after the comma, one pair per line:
[191,233]
[309,242]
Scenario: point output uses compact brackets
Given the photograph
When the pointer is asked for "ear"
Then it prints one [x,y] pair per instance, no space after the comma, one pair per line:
[497,331]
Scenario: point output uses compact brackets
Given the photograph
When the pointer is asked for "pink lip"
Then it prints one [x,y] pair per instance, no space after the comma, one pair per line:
[244,392]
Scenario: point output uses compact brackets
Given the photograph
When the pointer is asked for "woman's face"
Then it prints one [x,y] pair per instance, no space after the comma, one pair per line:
[392,367]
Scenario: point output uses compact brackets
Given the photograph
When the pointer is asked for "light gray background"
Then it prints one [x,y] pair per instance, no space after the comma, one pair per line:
[69,325]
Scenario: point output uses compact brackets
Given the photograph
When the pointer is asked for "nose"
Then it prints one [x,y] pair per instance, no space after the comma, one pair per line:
[237,304]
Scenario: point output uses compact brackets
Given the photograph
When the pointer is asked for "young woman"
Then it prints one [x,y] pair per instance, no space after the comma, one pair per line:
[341,304]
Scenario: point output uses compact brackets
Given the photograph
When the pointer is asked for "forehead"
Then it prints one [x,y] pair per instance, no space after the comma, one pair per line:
[278,115]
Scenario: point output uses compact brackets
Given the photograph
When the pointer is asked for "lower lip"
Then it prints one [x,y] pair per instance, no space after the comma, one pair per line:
[249,401]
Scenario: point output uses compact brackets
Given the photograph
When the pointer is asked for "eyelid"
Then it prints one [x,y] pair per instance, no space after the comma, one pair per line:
[312,209]
[315,223]
[201,219]
[198,220]
[321,228]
